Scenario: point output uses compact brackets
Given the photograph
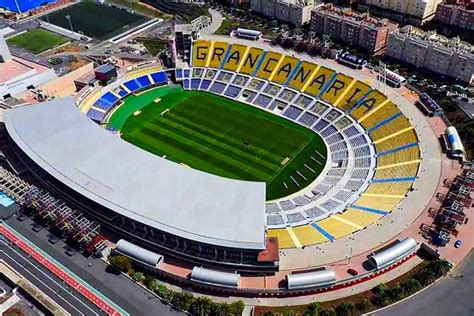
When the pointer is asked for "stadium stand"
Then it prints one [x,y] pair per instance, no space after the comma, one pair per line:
[358,124]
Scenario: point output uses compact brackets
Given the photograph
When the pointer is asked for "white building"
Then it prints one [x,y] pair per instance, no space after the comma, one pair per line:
[17,75]
[296,12]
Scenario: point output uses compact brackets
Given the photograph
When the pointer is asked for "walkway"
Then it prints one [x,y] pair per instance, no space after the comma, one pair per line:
[216,22]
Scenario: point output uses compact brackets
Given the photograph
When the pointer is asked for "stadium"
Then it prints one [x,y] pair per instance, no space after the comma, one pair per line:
[248,161]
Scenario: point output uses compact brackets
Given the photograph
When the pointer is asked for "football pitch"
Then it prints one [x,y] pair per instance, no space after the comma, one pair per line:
[95,20]
[222,136]
[38,40]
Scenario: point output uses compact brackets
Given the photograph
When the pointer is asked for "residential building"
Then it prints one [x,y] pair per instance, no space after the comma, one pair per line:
[296,12]
[352,28]
[459,15]
[429,50]
[416,12]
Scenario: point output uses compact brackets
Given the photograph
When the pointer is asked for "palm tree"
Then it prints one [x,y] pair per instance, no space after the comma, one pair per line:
[202,306]
[312,309]
[221,309]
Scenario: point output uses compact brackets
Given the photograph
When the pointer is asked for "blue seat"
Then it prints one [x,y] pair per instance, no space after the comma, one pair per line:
[95,115]
[122,93]
[159,77]
[143,81]
[195,83]
[109,97]
[132,85]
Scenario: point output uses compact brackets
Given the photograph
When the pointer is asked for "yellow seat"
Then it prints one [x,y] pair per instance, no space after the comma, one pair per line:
[337,88]
[396,125]
[303,75]
[368,105]
[284,239]
[336,228]
[409,170]
[399,140]
[409,154]
[378,203]
[361,218]
[390,188]
[307,235]
[353,95]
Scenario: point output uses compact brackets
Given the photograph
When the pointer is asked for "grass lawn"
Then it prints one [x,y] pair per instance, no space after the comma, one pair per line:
[95,20]
[38,40]
[154,46]
[224,137]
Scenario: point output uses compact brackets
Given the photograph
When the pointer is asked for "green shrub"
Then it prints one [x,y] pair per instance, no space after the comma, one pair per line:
[121,263]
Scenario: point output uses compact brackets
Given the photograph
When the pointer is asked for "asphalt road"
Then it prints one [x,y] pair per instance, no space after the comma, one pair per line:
[122,291]
[46,281]
[451,296]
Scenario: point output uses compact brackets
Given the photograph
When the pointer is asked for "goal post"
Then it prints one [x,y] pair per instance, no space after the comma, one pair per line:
[164,112]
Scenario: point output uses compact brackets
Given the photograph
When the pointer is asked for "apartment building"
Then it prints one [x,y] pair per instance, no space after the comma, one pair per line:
[416,12]
[352,28]
[429,50]
[296,12]
[457,14]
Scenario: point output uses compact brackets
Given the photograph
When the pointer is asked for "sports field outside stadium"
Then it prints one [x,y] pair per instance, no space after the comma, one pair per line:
[95,20]
[222,136]
[38,40]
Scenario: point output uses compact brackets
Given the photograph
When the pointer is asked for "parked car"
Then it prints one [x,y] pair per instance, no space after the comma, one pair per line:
[352,272]
[457,244]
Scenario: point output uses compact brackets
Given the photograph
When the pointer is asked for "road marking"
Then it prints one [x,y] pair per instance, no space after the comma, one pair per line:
[47,276]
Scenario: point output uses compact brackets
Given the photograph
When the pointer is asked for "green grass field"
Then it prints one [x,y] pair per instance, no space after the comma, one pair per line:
[223,137]
[95,20]
[38,40]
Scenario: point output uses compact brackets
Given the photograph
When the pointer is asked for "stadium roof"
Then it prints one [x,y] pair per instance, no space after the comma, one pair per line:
[135,183]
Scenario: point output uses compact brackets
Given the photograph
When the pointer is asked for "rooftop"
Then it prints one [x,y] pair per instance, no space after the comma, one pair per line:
[16,67]
[135,183]
[348,14]
[435,39]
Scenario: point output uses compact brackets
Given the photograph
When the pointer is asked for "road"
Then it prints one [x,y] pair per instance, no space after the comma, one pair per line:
[453,295]
[46,281]
[119,289]
[216,17]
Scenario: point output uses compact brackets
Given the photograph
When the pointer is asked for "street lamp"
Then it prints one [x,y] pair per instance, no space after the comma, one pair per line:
[68,17]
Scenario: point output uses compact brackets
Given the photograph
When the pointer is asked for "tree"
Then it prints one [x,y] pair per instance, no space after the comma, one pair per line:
[411,286]
[312,309]
[201,306]
[237,307]
[344,309]
[122,263]
[222,309]
[439,267]
[268,313]
[288,43]
[327,312]
[363,305]
[165,293]
[137,276]
[315,50]
[396,293]
[182,300]
[301,47]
